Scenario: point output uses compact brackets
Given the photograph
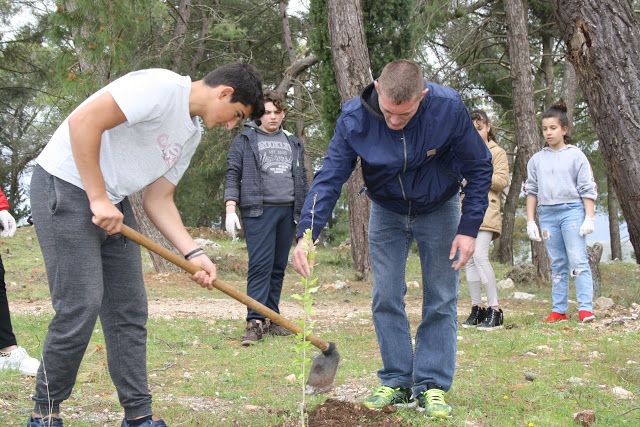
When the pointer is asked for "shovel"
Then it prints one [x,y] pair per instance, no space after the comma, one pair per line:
[324,366]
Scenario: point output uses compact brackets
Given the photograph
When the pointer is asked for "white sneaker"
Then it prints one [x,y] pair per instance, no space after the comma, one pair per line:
[18,359]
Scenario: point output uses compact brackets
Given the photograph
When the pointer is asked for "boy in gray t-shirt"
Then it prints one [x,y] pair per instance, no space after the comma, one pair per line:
[139,132]
[267,180]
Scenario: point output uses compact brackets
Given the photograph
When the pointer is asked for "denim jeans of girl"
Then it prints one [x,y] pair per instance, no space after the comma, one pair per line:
[390,237]
[560,231]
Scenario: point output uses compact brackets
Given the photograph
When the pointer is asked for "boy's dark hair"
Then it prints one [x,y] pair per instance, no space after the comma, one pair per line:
[481,115]
[245,80]
[559,111]
[276,98]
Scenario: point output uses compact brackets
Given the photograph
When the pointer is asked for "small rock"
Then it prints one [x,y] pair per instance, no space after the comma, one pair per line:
[522,296]
[389,409]
[530,376]
[207,242]
[251,408]
[333,286]
[413,284]
[506,284]
[523,273]
[545,348]
[622,393]
[585,418]
[604,303]
[291,378]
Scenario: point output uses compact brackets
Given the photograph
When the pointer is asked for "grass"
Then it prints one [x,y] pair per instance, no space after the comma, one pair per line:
[199,374]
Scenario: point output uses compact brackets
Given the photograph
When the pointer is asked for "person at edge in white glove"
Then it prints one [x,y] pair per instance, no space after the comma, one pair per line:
[232,221]
[561,188]
[12,357]
[8,224]
[266,180]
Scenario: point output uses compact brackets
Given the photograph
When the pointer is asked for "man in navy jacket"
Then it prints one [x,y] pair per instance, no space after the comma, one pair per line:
[416,142]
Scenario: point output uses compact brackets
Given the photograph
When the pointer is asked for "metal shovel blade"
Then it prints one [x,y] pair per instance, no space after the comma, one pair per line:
[323,371]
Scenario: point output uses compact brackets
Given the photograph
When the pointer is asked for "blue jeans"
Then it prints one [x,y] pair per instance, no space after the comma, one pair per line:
[560,227]
[269,238]
[390,238]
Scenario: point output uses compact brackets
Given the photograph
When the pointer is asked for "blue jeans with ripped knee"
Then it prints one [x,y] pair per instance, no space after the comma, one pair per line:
[560,226]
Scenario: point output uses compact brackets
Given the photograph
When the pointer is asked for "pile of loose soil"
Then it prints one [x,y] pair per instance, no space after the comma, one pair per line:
[336,413]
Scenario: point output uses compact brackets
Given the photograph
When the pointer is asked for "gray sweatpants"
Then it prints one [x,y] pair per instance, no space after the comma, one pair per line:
[90,274]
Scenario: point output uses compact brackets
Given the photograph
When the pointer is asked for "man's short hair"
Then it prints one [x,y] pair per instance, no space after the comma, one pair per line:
[245,80]
[401,81]
[276,98]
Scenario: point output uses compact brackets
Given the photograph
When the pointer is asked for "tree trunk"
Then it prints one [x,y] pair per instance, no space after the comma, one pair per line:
[547,69]
[183,14]
[353,72]
[495,253]
[603,43]
[509,214]
[296,67]
[524,115]
[595,253]
[146,227]
[569,91]
[614,222]
[206,20]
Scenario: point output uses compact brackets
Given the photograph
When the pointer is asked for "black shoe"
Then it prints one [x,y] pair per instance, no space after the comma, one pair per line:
[476,317]
[254,333]
[493,320]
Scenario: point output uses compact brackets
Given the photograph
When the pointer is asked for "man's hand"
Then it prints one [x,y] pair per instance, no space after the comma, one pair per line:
[532,231]
[299,258]
[466,245]
[207,275]
[8,224]
[106,215]
[231,223]
[587,226]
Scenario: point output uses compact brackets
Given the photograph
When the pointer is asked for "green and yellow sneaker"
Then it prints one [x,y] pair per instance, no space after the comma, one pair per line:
[390,396]
[432,402]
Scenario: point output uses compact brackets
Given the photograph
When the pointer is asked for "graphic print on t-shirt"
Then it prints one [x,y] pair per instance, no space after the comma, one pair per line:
[275,156]
[170,151]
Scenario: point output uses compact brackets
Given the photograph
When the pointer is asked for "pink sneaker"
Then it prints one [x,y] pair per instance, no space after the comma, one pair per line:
[586,316]
[555,317]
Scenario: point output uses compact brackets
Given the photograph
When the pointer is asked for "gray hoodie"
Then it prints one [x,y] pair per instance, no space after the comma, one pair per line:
[562,176]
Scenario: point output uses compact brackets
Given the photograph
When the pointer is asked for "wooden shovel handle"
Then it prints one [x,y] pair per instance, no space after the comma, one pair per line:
[142,240]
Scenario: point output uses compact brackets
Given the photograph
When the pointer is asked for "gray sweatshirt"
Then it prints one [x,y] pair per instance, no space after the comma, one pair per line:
[562,176]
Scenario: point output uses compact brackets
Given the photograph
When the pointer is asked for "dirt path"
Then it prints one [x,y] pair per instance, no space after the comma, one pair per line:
[209,308]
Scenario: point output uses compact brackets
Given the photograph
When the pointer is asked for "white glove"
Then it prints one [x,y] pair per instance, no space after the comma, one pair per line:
[9,224]
[532,231]
[231,223]
[587,226]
